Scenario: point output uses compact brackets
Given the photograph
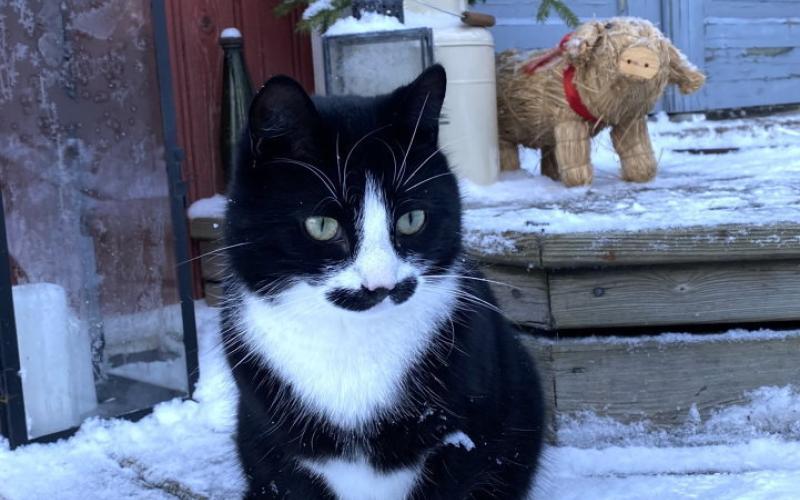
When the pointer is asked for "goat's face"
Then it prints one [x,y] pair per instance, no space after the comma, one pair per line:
[625,62]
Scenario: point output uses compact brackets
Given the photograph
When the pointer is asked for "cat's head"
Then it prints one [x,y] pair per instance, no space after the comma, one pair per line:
[348,197]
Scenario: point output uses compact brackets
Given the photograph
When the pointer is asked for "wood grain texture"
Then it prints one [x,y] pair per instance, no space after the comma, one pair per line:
[660,382]
[271,46]
[683,21]
[523,251]
[542,354]
[522,294]
[681,294]
[213,261]
[213,293]
[204,228]
[660,246]
[677,245]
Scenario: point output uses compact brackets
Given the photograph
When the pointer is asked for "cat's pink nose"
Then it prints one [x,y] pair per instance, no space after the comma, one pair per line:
[378,270]
[373,283]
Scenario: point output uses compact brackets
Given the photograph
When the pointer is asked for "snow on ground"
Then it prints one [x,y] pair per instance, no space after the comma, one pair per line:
[185,450]
[757,183]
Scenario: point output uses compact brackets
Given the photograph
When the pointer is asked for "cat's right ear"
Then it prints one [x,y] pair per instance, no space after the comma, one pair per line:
[282,120]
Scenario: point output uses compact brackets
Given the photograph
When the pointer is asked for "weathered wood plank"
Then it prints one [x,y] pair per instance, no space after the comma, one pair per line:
[521,250]
[661,381]
[683,22]
[204,228]
[660,246]
[668,246]
[213,293]
[542,354]
[212,262]
[522,294]
[772,32]
[663,295]
[757,92]
[738,65]
[752,9]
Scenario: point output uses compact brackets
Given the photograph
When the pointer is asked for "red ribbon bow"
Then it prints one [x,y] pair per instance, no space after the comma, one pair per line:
[570,91]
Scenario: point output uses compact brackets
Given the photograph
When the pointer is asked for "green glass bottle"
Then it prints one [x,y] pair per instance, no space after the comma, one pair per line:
[237,92]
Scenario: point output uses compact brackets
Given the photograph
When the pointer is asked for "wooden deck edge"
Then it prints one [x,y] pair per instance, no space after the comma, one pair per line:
[662,246]
[660,382]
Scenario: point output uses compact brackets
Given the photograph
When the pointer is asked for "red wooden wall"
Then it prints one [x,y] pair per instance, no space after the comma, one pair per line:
[271,47]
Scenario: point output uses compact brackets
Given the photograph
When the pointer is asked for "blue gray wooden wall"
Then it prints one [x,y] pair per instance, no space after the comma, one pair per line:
[749,49]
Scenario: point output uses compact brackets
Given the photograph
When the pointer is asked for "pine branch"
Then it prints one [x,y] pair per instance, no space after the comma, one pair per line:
[286,6]
[322,20]
[564,12]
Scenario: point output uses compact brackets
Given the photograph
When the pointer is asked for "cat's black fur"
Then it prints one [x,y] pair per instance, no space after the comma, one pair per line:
[483,384]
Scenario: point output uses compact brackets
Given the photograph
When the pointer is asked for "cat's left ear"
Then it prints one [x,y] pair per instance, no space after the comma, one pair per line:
[282,120]
[418,105]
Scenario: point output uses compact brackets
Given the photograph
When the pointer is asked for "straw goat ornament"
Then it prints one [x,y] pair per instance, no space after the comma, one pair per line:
[605,74]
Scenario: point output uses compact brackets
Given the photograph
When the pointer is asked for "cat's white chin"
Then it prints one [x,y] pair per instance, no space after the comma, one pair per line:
[348,366]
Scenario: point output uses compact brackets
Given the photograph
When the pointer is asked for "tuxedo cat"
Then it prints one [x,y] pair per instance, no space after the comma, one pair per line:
[370,357]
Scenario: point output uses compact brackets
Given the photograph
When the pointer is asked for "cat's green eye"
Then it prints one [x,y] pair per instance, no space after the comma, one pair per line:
[322,228]
[411,222]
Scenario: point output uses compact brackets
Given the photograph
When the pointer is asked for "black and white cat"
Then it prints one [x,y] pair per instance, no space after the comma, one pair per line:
[370,357]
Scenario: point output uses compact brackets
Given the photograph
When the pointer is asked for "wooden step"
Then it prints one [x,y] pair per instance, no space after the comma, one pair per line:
[660,379]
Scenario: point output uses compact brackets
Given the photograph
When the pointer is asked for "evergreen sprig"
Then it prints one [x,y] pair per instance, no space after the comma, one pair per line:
[323,19]
[564,12]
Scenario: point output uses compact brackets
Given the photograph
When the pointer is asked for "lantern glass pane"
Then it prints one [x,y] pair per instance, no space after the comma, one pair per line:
[87,212]
[375,63]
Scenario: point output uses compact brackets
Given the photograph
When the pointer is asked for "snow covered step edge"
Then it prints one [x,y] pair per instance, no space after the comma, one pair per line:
[664,383]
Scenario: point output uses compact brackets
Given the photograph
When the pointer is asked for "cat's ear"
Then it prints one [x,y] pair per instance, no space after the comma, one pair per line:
[418,105]
[282,119]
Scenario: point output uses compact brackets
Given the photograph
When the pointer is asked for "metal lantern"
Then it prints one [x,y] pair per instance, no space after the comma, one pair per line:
[96,310]
[377,62]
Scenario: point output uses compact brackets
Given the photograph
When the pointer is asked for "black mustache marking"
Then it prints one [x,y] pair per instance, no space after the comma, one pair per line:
[364,299]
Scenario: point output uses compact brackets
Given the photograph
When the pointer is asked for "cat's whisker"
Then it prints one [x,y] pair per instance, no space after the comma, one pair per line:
[215,251]
[414,134]
[433,177]
[470,297]
[326,181]
[426,160]
[474,278]
[350,153]
[338,160]
[394,158]
[422,164]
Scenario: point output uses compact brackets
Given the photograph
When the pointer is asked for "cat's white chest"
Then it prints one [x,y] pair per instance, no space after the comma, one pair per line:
[348,366]
[358,480]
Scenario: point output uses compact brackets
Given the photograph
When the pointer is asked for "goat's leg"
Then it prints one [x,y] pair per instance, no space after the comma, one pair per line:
[548,162]
[573,148]
[509,156]
[632,144]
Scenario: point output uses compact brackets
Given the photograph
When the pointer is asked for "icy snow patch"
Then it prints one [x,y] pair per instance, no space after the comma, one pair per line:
[768,413]
[371,21]
[459,439]
[230,33]
[735,335]
[316,7]
[208,208]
